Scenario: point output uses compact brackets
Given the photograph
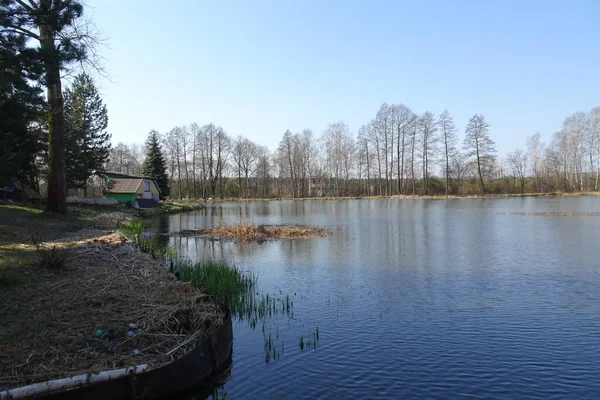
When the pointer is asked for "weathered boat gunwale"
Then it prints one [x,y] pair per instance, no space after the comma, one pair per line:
[193,369]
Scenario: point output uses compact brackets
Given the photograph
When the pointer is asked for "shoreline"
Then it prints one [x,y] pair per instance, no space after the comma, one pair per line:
[170,208]
[411,197]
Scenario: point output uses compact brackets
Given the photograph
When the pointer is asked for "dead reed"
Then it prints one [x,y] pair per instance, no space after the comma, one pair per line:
[247,231]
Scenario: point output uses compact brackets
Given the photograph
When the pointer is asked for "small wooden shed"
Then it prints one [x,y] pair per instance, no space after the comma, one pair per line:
[127,188]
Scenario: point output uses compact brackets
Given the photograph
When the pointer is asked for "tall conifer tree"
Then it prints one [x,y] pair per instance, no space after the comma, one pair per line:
[88,142]
[155,165]
[21,108]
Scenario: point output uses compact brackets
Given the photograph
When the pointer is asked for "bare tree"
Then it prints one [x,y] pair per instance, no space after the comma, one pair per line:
[413,143]
[195,133]
[427,128]
[173,142]
[185,138]
[381,131]
[364,158]
[574,129]
[339,154]
[480,146]
[215,148]
[518,163]
[286,154]
[403,122]
[263,171]
[459,169]
[535,149]
[308,154]
[594,120]
[245,156]
[449,141]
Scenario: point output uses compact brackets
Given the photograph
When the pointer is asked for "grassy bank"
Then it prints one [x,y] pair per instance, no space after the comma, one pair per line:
[21,223]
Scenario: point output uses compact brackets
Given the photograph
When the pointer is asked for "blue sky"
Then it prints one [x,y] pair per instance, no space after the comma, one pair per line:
[258,68]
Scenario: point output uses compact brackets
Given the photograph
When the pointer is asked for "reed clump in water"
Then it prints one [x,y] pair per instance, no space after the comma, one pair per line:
[235,287]
[216,278]
[247,231]
[133,228]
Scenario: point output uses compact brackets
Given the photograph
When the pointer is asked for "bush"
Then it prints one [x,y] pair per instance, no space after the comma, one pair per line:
[51,257]
[133,228]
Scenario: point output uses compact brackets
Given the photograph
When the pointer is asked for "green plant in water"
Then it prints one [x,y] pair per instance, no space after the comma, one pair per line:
[311,341]
[273,347]
[152,247]
[219,395]
[217,278]
[133,228]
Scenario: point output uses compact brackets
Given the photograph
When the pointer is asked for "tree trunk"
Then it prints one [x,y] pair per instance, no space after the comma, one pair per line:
[239,181]
[195,193]
[187,172]
[378,164]
[400,163]
[179,171]
[368,171]
[425,183]
[479,167]
[447,162]
[412,162]
[57,178]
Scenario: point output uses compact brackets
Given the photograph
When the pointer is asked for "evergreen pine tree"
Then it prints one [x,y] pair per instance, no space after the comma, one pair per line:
[21,108]
[88,143]
[155,165]
[51,30]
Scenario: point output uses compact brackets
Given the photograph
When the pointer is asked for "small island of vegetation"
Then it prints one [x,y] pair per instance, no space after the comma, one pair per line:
[247,231]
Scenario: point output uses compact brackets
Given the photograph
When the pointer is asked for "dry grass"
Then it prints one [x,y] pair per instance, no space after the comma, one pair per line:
[247,231]
[51,257]
[79,323]
[58,323]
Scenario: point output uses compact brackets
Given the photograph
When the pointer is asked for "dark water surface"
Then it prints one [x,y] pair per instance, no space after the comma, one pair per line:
[417,299]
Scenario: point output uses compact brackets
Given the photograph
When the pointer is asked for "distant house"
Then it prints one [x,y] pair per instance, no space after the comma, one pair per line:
[16,191]
[128,188]
[318,186]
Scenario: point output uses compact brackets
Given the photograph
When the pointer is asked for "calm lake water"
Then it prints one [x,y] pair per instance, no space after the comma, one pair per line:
[417,299]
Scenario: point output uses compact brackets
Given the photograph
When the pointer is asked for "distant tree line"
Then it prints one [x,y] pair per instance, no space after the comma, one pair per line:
[398,152]
[60,140]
